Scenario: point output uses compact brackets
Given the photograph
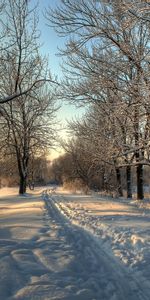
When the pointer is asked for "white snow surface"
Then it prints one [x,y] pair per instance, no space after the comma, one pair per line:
[58,245]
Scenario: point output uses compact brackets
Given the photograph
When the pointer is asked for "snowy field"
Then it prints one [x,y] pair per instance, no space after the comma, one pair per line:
[72,246]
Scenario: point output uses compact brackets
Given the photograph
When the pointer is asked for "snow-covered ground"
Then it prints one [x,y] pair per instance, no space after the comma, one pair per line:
[69,247]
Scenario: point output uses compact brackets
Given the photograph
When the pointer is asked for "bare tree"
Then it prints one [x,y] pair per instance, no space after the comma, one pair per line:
[108,58]
[28,127]
[20,50]
[27,123]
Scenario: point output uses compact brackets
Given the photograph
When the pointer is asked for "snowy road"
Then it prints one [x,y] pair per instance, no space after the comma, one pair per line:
[44,256]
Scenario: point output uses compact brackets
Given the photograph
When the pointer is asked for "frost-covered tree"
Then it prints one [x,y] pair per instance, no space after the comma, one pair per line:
[28,130]
[20,48]
[27,121]
[107,60]
[99,137]
[76,168]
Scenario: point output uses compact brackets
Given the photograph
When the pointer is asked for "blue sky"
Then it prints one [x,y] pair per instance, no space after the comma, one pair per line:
[49,39]
[50,44]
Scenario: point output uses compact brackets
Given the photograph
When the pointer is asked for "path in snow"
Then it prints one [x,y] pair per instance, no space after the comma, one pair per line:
[44,256]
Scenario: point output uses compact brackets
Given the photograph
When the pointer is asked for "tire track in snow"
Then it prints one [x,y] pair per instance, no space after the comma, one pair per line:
[102,273]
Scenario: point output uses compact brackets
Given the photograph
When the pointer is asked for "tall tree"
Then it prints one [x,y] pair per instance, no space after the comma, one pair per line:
[28,129]
[108,54]
[28,120]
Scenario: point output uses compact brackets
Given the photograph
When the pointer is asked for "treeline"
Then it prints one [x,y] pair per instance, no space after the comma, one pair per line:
[107,69]
[87,165]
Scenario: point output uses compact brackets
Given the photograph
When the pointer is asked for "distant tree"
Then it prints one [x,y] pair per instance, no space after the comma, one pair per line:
[8,171]
[62,169]
[38,170]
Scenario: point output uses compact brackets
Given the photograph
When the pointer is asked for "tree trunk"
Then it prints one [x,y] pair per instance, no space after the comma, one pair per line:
[140,190]
[139,155]
[102,179]
[139,175]
[22,168]
[22,185]
[119,187]
[128,178]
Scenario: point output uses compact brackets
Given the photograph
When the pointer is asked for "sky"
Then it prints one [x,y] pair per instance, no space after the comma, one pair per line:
[50,43]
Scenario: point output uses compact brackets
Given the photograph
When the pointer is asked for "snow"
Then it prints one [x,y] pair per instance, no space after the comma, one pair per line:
[57,245]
